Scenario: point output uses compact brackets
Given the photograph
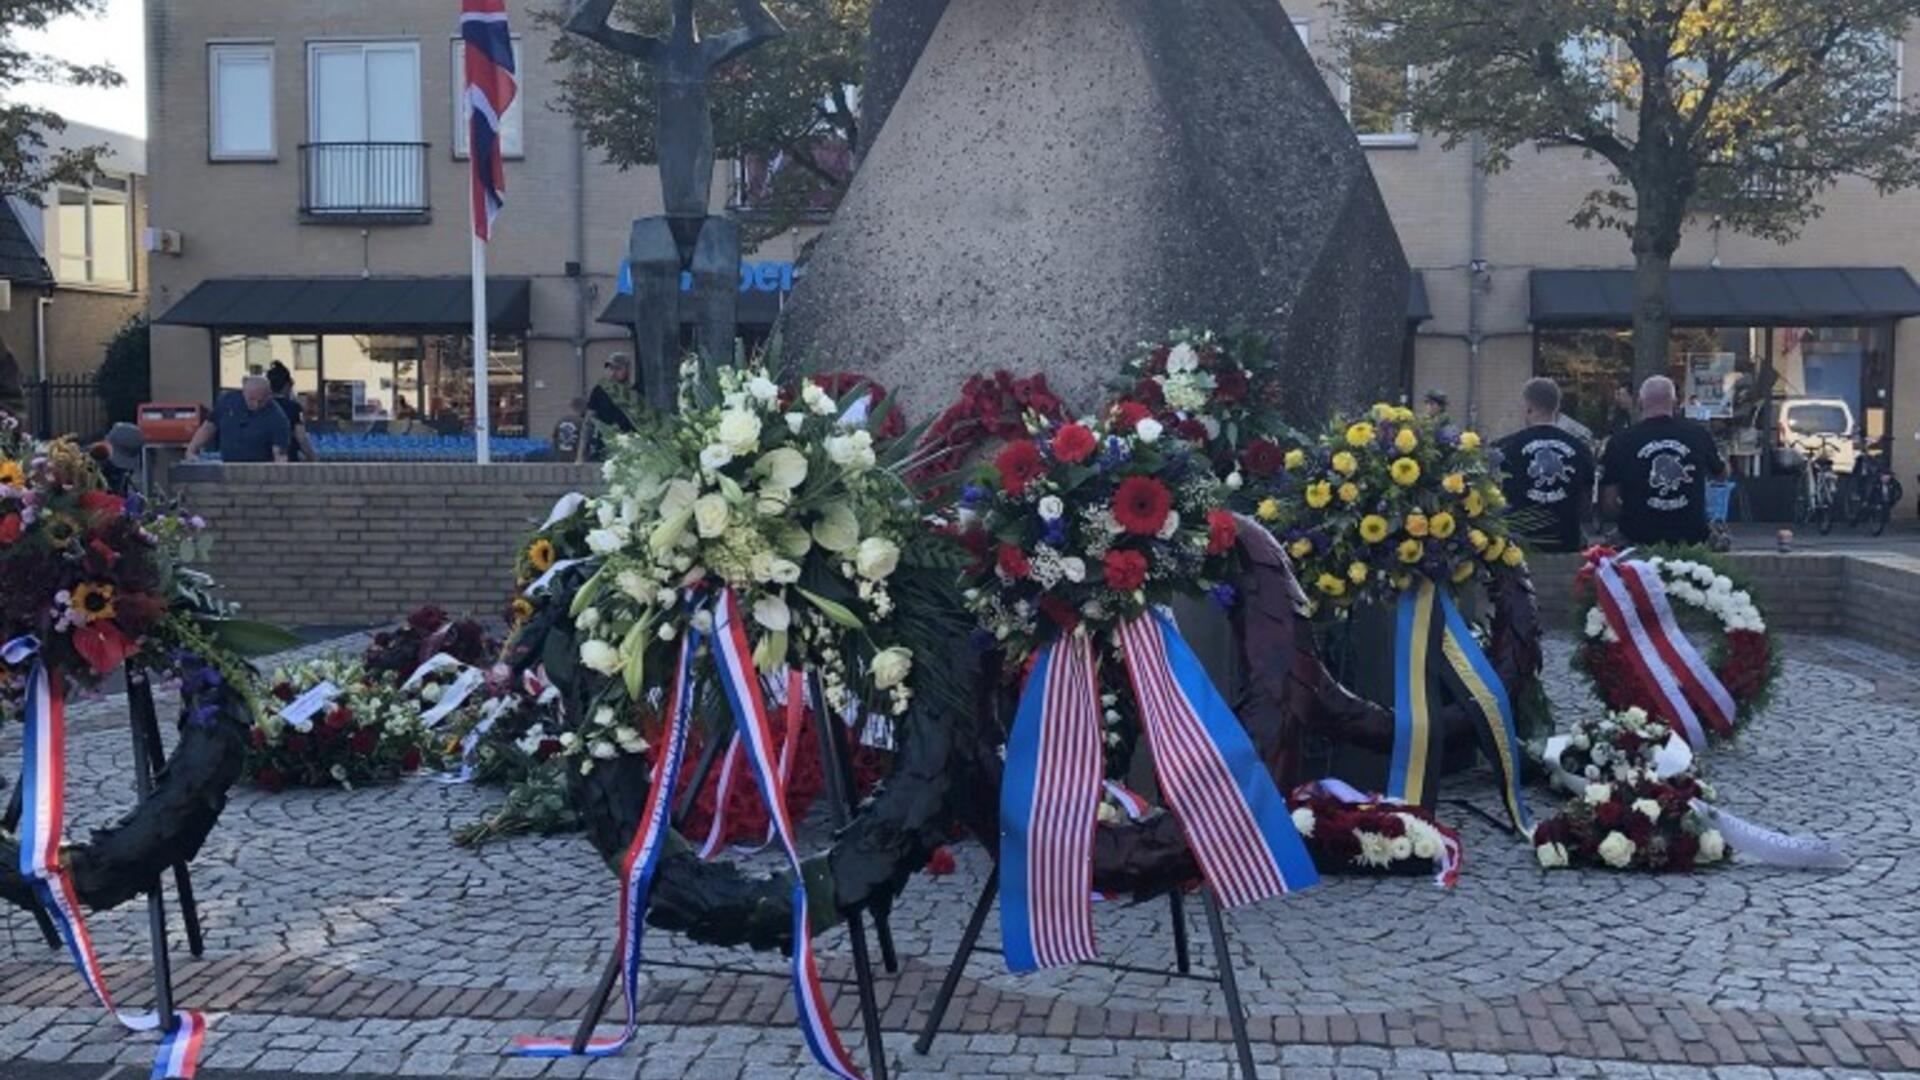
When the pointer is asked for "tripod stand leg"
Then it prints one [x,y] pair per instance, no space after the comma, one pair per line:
[1236,1014]
[146,721]
[47,929]
[146,761]
[869,1007]
[1182,955]
[189,911]
[598,1006]
[883,933]
[968,939]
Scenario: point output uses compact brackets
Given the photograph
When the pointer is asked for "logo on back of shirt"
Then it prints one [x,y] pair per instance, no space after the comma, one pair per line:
[1668,474]
[1548,470]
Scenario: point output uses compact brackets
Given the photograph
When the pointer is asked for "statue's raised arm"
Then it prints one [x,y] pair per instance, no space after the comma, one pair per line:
[759,26]
[593,20]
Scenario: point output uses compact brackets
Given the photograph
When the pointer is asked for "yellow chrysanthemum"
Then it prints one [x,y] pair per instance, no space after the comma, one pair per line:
[92,601]
[1405,471]
[1405,441]
[1357,573]
[1401,582]
[1417,524]
[1454,483]
[1462,572]
[1383,412]
[1295,458]
[1513,556]
[12,475]
[1469,440]
[1410,551]
[1496,548]
[1474,504]
[1331,585]
[1373,528]
[1300,549]
[1403,415]
[1478,539]
[1442,525]
[540,554]
[1345,464]
[1349,492]
[1268,510]
[1359,433]
[1319,495]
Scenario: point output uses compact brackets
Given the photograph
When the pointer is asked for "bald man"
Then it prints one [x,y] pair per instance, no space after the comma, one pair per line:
[1654,474]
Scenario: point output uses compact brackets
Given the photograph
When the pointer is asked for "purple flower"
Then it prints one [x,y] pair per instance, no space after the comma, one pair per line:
[135,505]
[1056,532]
[1224,595]
[1115,454]
[982,640]
[972,495]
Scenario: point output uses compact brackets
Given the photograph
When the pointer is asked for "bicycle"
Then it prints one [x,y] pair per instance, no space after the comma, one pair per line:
[1876,492]
[1820,497]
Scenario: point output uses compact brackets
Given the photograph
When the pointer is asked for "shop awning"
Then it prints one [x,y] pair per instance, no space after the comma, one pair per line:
[1419,308]
[350,305]
[1790,296]
[757,308]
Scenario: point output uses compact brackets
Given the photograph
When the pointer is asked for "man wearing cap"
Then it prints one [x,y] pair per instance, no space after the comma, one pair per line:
[123,444]
[249,426]
[1436,408]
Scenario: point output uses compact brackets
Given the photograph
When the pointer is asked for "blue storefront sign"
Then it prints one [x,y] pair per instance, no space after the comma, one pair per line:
[766,277]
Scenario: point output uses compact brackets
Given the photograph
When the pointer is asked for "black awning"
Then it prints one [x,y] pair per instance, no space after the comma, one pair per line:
[1789,296]
[1419,308]
[350,305]
[20,260]
[757,308]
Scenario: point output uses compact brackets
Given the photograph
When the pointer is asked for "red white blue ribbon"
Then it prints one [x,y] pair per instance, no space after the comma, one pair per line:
[43,805]
[1234,818]
[1628,592]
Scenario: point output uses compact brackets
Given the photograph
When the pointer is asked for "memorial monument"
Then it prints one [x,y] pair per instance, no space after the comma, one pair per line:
[1061,180]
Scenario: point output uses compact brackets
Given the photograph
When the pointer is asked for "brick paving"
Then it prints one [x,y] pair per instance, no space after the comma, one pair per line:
[346,935]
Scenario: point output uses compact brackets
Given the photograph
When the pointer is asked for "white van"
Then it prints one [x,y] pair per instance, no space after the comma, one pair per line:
[1810,425]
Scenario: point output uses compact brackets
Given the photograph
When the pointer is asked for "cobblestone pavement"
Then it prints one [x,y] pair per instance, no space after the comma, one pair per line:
[346,935]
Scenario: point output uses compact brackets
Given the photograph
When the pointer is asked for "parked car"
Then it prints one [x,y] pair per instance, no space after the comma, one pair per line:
[1810,426]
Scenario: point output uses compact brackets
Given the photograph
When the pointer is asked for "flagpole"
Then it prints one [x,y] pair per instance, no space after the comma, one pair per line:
[481,421]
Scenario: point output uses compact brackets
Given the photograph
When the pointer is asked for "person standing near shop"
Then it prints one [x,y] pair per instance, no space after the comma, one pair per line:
[1549,481]
[614,408]
[1436,408]
[280,381]
[1653,477]
[1620,416]
[249,427]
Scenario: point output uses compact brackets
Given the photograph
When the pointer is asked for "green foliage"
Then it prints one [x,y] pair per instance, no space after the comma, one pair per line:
[27,167]
[125,376]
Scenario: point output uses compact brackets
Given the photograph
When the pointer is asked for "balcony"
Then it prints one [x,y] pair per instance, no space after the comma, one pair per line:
[360,182]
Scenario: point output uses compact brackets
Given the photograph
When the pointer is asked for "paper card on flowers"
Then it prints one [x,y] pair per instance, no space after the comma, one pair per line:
[299,713]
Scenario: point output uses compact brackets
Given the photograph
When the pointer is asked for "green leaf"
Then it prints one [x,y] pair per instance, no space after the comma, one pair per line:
[837,612]
[250,637]
[731,489]
[633,650]
[667,533]
[583,599]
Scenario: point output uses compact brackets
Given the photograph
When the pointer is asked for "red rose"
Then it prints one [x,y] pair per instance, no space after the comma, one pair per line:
[1230,384]
[1073,444]
[940,863]
[283,691]
[1126,570]
[1150,393]
[1140,505]
[1611,815]
[1061,612]
[296,744]
[363,742]
[259,737]
[1263,457]
[1192,429]
[270,779]
[1128,414]
[338,717]
[1221,532]
[1013,562]
[410,761]
[1019,464]
[10,528]
[546,749]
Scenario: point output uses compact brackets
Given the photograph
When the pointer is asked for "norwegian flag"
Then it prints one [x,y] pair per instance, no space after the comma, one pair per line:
[491,86]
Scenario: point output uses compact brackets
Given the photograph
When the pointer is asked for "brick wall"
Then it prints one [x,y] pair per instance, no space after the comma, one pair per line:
[354,545]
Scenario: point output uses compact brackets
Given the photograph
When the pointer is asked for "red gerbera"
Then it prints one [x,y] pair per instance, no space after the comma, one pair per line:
[1140,505]
[1126,570]
[1221,532]
[1230,384]
[1263,457]
[1128,414]
[1073,444]
[1013,562]
[1019,464]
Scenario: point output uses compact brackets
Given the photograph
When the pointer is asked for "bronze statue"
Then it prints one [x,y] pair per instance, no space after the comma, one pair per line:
[685,238]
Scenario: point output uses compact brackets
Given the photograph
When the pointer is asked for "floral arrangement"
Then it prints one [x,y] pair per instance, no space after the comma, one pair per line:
[1631,809]
[1221,391]
[1381,499]
[1714,607]
[368,733]
[990,408]
[1346,832]
[425,633]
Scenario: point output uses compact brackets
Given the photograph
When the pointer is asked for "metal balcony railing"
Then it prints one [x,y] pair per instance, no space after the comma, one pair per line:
[363,179]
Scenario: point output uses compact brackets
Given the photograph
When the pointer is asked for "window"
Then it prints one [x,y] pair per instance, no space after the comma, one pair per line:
[363,119]
[406,383]
[90,230]
[1589,62]
[512,138]
[240,102]
[1378,95]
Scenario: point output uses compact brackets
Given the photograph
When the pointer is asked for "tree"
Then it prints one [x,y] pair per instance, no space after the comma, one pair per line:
[27,167]
[124,379]
[792,100]
[1745,109]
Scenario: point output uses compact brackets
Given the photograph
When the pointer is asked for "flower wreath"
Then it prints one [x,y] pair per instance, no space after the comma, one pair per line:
[1219,390]
[1712,604]
[1630,810]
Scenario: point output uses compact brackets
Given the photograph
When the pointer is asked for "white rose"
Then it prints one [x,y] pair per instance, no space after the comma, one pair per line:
[796,421]
[1303,821]
[818,401]
[711,515]
[740,431]
[1052,508]
[600,656]
[1713,846]
[605,751]
[877,558]
[771,612]
[1235,481]
[784,467]
[1598,793]
[890,667]
[1182,359]
[431,692]
[606,541]
[838,530]
[762,388]
[1648,807]
[1551,856]
[1617,851]
[588,619]
[1074,569]
[1148,430]
[716,457]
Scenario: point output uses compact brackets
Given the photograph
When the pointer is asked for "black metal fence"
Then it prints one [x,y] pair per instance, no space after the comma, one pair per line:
[71,406]
[376,179]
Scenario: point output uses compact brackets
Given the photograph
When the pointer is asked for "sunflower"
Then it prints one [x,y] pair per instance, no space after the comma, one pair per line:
[522,609]
[540,554]
[1373,528]
[92,601]
[1406,441]
[11,474]
[1405,471]
[1383,412]
[60,530]
[1478,539]
[1410,551]
[1496,548]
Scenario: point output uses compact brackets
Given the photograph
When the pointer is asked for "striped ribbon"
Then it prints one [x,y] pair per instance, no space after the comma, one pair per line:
[1628,591]
[788,690]
[1233,817]
[1428,613]
[43,803]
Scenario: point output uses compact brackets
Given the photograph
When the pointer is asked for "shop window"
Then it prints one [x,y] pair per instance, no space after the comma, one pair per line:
[393,383]
[240,356]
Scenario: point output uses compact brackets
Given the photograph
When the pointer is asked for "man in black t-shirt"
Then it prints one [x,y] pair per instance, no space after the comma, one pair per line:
[1654,474]
[1549,480]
